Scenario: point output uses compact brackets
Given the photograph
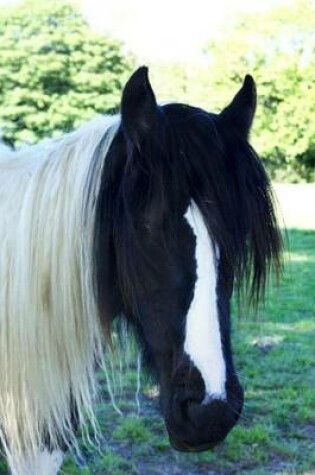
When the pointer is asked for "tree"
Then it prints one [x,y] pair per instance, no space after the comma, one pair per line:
[55,73]
[278,48]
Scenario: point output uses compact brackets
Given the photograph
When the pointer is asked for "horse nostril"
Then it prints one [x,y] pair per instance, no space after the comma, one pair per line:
[215,412]
[186,406]
[183,402]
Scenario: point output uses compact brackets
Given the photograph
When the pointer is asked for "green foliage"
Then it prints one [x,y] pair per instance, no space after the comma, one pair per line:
[69,467]
[55,73]
[3,467]
[113,464]
[278,49]
[133,429]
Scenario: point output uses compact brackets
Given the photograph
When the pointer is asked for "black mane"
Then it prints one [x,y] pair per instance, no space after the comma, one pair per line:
[228,182]
[189,154]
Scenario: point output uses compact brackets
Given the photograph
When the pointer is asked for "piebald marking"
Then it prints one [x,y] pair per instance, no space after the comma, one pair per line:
[203,340]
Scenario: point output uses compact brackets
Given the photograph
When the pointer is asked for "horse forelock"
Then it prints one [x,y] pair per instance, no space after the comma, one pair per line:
[192,155]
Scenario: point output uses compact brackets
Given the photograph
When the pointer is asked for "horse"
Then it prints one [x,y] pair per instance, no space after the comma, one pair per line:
[153,216]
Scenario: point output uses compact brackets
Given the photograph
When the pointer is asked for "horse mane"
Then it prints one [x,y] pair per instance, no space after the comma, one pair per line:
[50,339]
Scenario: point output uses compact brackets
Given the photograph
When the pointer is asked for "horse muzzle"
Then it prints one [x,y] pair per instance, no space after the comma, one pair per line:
[196,426]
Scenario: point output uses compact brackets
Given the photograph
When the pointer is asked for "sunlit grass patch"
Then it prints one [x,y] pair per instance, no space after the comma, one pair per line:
[112,463]
[69,467]
[133,429]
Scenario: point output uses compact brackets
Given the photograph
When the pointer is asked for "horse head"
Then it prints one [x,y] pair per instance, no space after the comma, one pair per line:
[184,216]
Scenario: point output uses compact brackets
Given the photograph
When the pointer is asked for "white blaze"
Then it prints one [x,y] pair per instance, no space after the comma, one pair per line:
[203,340]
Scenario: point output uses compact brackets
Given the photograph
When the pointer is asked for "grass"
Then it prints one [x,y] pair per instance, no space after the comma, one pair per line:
[275,356]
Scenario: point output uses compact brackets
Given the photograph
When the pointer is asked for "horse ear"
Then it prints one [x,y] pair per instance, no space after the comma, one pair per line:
[139,110]
[240,112]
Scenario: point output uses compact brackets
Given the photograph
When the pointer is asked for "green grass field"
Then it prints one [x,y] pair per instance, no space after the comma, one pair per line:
[275,356]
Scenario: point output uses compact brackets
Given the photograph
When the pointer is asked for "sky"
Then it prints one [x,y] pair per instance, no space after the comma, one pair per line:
[166,30]
[163,30]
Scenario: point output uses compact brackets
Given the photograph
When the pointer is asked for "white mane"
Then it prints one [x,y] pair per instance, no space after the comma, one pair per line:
[50,337]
